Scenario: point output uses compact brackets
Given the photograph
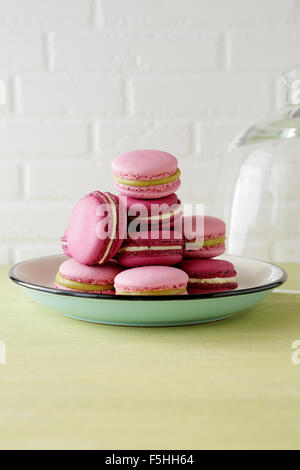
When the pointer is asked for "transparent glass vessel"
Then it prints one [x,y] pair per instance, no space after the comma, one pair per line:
[259,185]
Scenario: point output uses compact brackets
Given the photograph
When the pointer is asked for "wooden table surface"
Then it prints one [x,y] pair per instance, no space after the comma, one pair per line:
[73,385]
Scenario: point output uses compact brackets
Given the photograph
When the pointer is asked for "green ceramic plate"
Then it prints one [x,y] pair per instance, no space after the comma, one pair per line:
[256,280]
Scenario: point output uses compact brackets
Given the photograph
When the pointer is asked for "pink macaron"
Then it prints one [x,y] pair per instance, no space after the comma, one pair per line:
[64,244]
[146,174]
[209,275]
[204,236]
[155,247]
[76,277]
[95,231]
[151,280]
[155,213]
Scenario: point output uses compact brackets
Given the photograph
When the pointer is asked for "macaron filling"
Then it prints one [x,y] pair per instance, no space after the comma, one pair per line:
[114,229]
[166,215]
[205,243]
[150,248]
[215,280]
[143,183]
[179,291]
[75,285]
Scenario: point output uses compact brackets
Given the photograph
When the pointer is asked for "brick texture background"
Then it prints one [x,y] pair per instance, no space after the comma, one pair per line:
[87,79]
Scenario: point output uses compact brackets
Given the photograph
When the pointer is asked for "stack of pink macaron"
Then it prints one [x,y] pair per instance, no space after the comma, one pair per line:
[139,243]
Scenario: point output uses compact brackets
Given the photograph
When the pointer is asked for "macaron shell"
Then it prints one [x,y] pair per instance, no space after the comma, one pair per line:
[208,268]
[205,252]
[210,289]
[145,164]
[84,242]
[163,259]
[149,278]
[148,192]
[104,274]
[89,275]
[209,227]
[148,203]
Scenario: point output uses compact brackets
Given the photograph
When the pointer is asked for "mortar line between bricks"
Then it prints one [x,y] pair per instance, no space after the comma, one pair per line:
[296,13]
[126,96]
[77,76]
[16,95]
[11,95]
[93,140]
[227,52]
[94,13]
[196,142]
[130,97]
[22,180]
[49,51]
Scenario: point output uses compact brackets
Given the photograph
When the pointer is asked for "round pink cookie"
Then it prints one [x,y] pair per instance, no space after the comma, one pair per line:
[148,167]
[103,275]
[156,247]
[209,275]
[163,212]
[94,233]
[204,236]
[145,280]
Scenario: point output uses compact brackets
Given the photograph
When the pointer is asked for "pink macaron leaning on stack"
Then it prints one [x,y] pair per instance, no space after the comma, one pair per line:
[209,275]
[76,277]
[146,174]
[153,213]
[64,244]
[151,280]
[154,247]
[95,231]
[204,236]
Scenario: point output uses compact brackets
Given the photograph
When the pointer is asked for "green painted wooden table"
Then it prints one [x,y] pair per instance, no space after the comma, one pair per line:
[226,385]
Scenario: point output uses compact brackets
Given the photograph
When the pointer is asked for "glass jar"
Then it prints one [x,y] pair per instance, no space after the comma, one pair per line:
[259,187]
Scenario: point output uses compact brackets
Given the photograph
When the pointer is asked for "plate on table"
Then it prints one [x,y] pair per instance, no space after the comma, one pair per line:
[256,280]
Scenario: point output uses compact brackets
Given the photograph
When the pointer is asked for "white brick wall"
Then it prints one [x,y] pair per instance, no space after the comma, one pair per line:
[21,49]
[45,12]
[88,50]
[87,79]
[258,57]
[39,138]
[65,180]
[190,95]
[194,13]
[71,96]
[9,180]
[172,136]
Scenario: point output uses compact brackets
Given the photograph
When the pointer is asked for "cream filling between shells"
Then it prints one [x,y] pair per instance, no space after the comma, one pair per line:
[114,231]
[167,215]
[213,280]
[150,248]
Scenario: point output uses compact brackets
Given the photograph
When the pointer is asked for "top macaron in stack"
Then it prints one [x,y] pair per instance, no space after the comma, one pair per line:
[146,174]
[143,229]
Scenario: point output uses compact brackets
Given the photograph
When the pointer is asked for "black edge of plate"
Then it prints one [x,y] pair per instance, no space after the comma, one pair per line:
[231,293]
